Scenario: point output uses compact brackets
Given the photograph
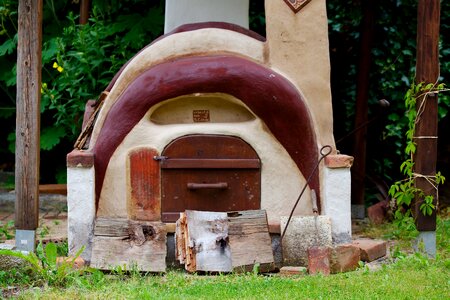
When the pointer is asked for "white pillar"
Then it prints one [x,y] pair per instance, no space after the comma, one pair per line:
[80,203]
[336,200]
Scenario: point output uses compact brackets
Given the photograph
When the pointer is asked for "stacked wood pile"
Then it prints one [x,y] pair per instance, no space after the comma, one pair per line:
[124,242]
[224,242]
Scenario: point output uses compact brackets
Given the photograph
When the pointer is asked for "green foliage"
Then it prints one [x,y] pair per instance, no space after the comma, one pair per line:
[78,63]
[392,67]
[42,266]
[6,230]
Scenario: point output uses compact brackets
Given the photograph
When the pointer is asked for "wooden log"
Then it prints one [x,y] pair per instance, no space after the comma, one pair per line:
[427,71]
[28,113]
[130,243]
[250,241]
[224,242]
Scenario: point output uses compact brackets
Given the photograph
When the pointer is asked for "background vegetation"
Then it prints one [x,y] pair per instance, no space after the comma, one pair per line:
[79,61]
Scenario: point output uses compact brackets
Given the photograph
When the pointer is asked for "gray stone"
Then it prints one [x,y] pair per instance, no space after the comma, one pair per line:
[8,262]
[426,242]
[358,211]
[302,234]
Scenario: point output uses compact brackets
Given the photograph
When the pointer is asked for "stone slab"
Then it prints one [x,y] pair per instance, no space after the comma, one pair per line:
[371,249]
[345,258]
[301,234]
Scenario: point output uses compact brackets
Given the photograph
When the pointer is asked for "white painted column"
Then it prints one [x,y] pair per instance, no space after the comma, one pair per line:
[336,201]
[80,202]
[180,12]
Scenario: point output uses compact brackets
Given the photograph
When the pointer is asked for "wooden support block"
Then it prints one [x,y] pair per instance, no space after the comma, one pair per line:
[224,242]
[119,242]
[250,241]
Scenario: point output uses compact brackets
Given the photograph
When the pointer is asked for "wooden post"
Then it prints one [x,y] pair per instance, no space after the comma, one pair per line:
[84,11]
[28,117]
[361,116]
[427,71]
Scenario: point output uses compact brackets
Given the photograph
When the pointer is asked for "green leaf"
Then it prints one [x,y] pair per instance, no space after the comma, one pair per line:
[9,46]
[50,137]
[51,252]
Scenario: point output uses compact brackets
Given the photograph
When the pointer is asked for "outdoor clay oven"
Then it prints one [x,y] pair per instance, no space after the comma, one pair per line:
[213,117]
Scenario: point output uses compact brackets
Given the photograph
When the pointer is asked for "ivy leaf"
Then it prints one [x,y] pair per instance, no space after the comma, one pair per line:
[9,46]
[50,137]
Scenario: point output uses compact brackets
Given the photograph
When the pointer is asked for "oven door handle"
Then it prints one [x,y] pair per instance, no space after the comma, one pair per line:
[200,186]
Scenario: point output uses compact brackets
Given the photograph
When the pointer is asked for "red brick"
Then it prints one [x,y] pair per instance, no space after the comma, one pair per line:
[338,161]
[345,258]
[319,260]
[80,158]
[77,262]
[371,249]
[288,270]
[377,212]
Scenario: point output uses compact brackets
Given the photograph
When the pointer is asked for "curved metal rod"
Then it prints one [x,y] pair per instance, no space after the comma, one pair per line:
[323,154]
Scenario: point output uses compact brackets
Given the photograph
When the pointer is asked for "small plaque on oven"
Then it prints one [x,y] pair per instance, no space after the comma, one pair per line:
[201,115]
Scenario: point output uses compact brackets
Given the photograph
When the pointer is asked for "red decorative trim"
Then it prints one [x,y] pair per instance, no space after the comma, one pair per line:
[268,94]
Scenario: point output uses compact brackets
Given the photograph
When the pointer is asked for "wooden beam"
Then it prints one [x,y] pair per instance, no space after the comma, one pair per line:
[84,11]
[28,113]
[427,71]
[362,100]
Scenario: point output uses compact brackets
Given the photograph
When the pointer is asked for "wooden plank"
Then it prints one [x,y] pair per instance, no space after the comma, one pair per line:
[207,242]
[427,71]
[28,114]
[130,243]
[250,241]
[186,163]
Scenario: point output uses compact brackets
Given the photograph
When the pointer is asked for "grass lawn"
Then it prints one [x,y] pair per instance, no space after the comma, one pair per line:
[409,276]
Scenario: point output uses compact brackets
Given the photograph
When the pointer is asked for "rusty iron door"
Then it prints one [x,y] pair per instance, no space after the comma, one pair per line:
[209,173]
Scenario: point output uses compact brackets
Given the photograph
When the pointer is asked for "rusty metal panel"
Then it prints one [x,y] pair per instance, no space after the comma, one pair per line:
[145,177]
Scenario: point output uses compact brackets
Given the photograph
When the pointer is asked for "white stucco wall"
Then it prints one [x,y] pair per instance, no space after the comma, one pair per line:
[179,12]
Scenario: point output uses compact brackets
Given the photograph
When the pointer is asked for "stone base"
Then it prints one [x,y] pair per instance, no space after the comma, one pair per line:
[426,242]
[303,234]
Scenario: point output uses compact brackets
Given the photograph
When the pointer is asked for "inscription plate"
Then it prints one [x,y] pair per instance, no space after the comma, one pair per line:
[201,115]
